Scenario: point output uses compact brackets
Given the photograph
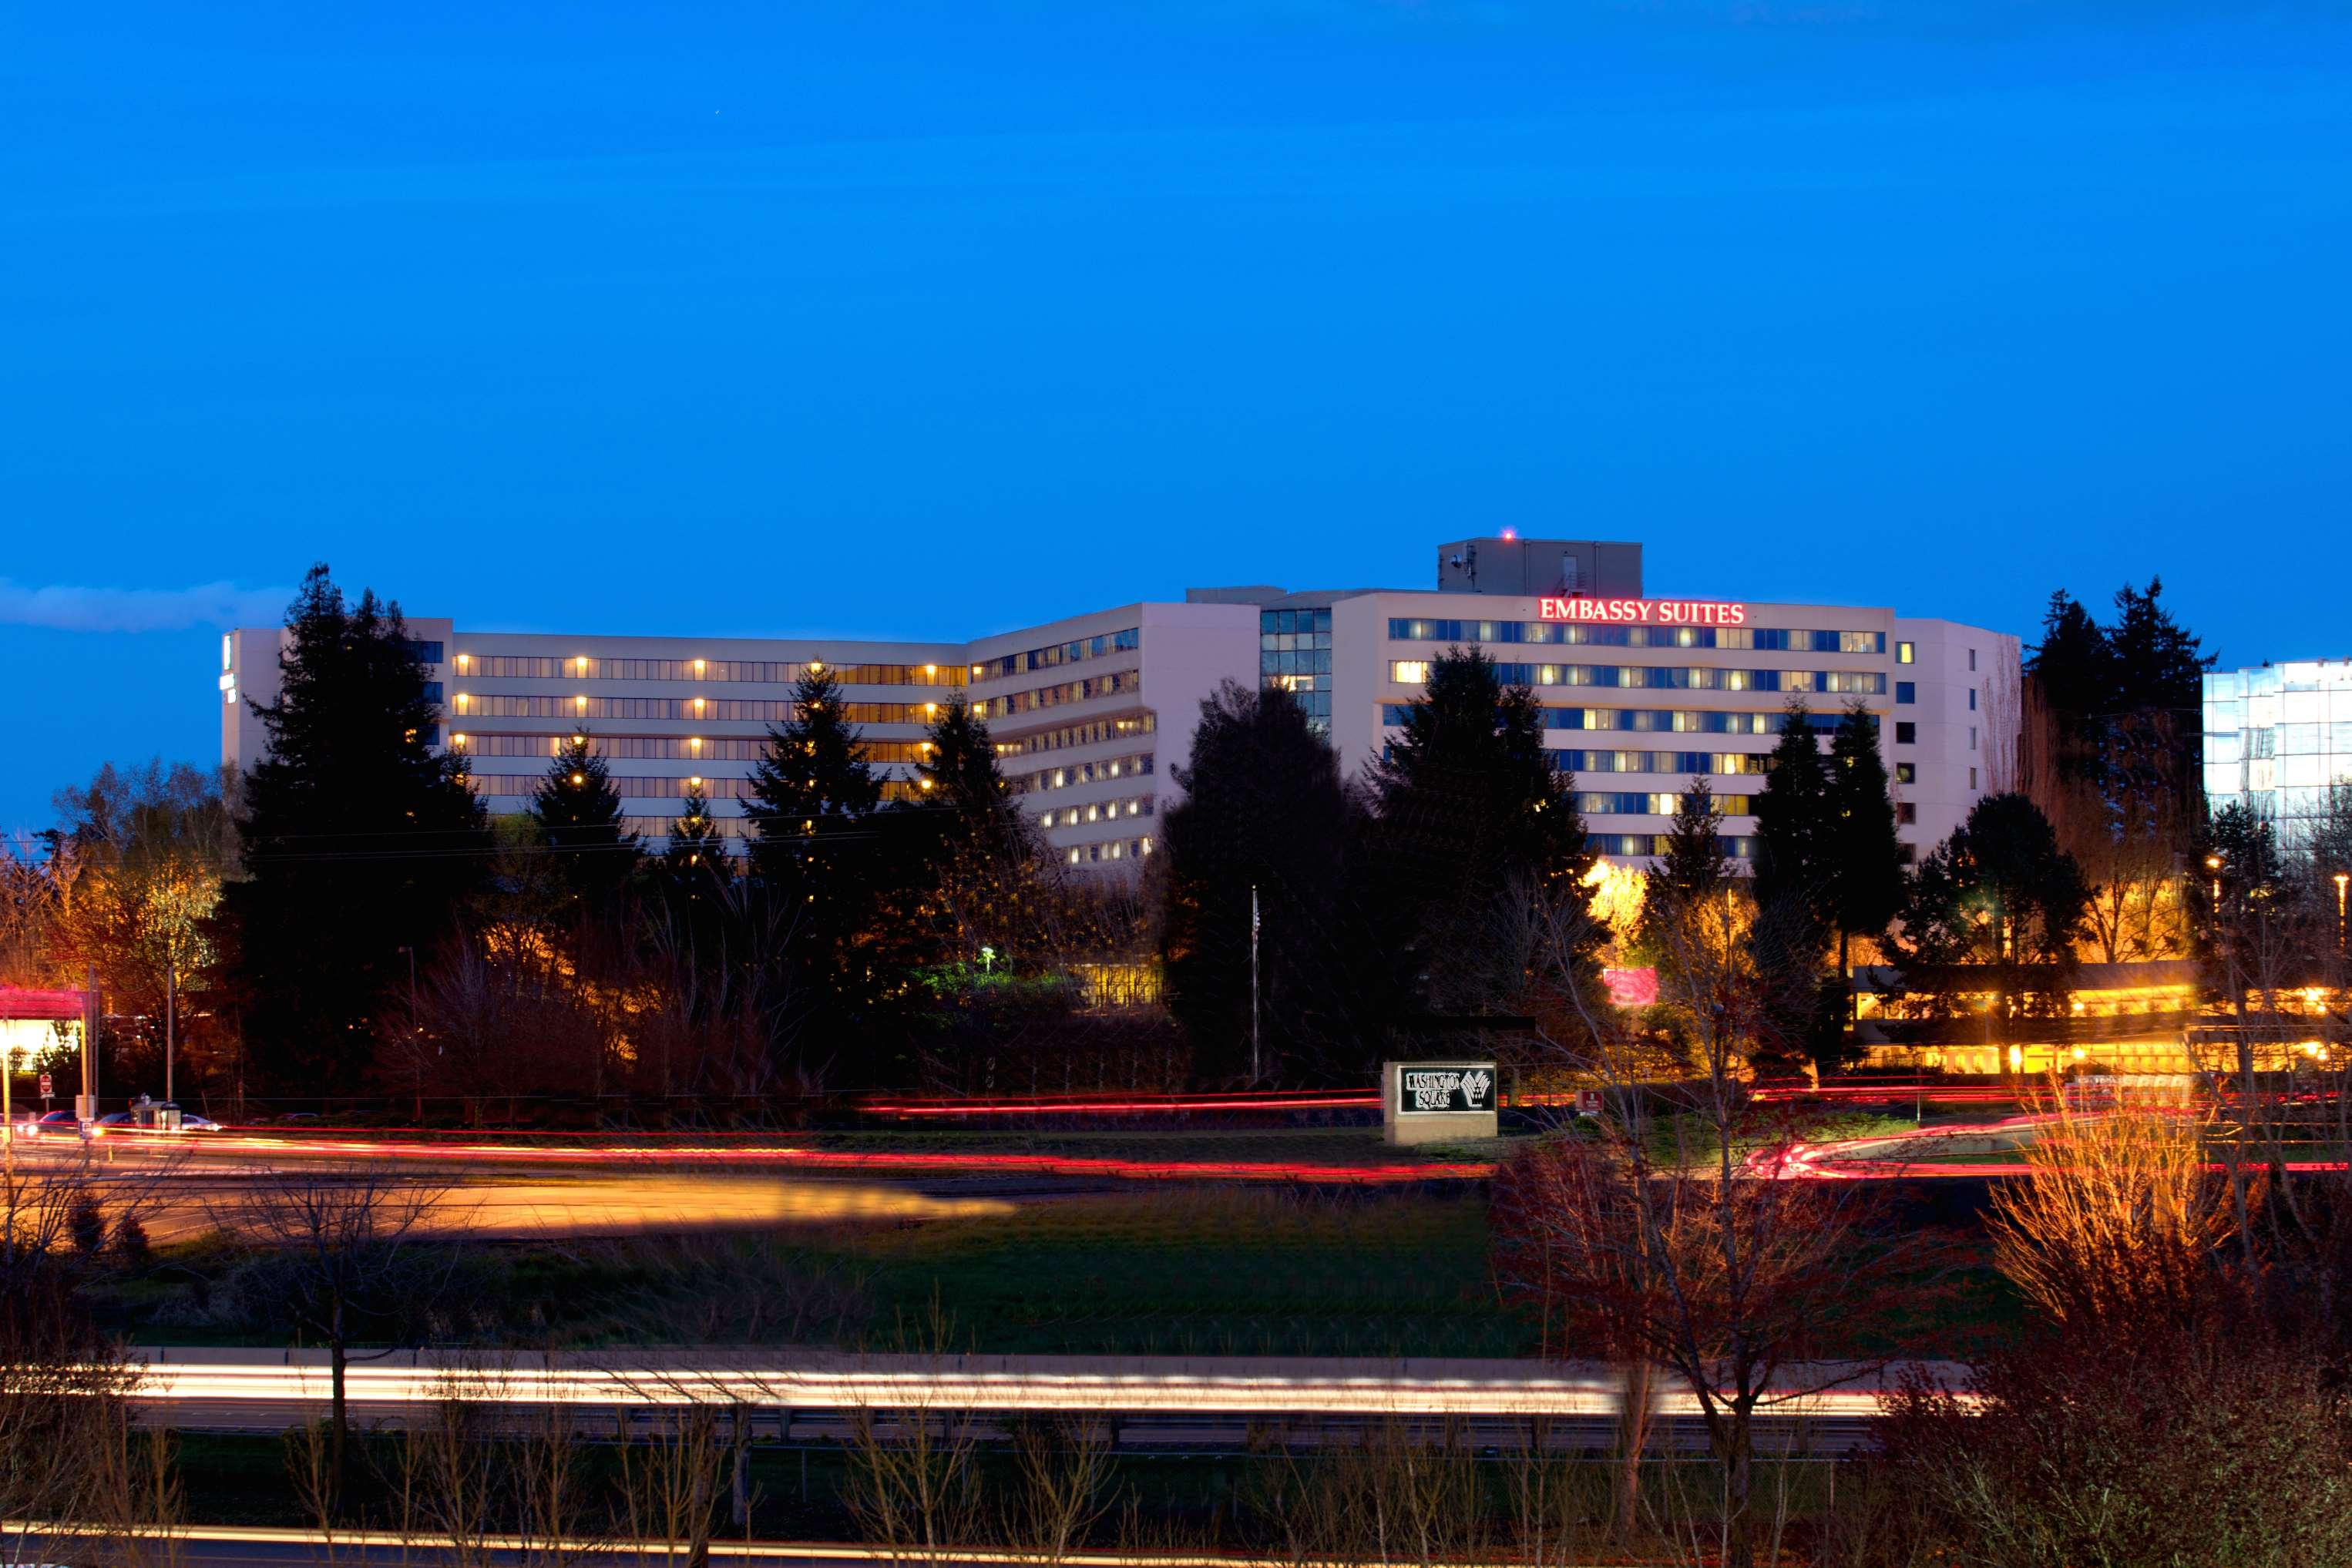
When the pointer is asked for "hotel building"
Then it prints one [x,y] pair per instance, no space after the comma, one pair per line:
[1090,713]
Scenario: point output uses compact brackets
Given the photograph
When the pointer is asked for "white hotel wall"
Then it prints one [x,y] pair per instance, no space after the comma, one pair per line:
[1185,652]
[1941,753]
[1966,749]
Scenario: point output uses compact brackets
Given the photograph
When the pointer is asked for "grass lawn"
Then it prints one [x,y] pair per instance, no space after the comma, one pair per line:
[1166,1271]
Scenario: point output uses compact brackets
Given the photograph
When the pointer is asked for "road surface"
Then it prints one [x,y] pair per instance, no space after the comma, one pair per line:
[1192,1403]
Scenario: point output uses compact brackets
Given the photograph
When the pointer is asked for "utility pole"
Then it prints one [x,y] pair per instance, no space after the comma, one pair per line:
[171,1011]
[415,1053]
[87,1108]
[1255,1069]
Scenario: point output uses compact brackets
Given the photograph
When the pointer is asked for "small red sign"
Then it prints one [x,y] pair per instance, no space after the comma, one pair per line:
[1632,988]
[45,1089]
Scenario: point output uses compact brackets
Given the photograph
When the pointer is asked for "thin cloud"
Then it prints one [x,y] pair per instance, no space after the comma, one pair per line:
[61,609]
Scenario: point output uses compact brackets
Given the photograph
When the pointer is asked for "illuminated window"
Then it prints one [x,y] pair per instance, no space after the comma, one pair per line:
[1906,653]
[1408,671]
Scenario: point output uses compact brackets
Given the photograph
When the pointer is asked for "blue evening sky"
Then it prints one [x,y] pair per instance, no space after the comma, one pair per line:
[917,317]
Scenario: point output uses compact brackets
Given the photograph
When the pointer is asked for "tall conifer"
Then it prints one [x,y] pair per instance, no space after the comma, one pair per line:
[579,816]
[1473,816]
[359,840]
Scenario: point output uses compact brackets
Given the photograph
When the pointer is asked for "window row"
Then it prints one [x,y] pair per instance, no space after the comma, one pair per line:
[1685,763]
[1664,720]
[629,788]
[424,651]
[1667,677]
[1579,635]
[1118,682]
[1080,773]
[1092,733]
[1306,662]
[1631,845]
[1604,803]
[760,671]
[662,747]
[1099,811]
[1059,654]
[662,827]
[1293,642]
[1296,622]
[1117,850]
[736,710]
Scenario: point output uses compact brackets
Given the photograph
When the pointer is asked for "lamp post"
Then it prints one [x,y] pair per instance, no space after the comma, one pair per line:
[2214,865]
[2343,879]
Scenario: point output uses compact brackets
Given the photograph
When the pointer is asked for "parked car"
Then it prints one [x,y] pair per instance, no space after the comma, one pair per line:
[56,1125]
[192,1122]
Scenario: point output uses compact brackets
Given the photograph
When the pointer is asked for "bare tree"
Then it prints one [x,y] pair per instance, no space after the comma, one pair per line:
[1678,1236]
[2117,1220]
[670,1485]
[347,1247]
[63,1385]
[1064,1470]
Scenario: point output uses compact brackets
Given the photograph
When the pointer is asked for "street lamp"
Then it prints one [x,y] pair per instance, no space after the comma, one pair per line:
[2342,880]
[2214,865]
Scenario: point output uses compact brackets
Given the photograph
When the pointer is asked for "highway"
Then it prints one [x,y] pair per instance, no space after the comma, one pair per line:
[805,1395]
[250,1546]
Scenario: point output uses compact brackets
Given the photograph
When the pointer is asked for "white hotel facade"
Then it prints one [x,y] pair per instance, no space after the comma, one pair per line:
[1091,714]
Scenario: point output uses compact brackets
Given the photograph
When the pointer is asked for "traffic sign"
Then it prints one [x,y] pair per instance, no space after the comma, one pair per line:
[45,1089]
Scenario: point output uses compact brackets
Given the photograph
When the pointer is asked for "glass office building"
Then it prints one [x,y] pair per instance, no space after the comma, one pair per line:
[2278,739]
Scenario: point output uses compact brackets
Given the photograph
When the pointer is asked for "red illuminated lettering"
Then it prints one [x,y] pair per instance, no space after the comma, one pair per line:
[1643,611]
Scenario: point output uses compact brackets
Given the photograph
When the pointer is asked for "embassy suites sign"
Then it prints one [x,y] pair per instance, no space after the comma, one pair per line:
[1643,611]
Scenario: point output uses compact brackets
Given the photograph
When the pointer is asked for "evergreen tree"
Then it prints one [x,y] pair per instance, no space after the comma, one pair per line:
[1795,840]
[2073,668]
[1472,818]
[1865,854]
[694,875]
[1795,889]
[695,846]
[817,861]
[359,840]
[2156,664]
[812,782]
[1996,907]
[977,877]
[1692,870]
[1261,831]
[579,816]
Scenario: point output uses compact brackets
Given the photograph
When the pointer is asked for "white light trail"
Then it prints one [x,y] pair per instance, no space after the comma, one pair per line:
[1172,1385]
